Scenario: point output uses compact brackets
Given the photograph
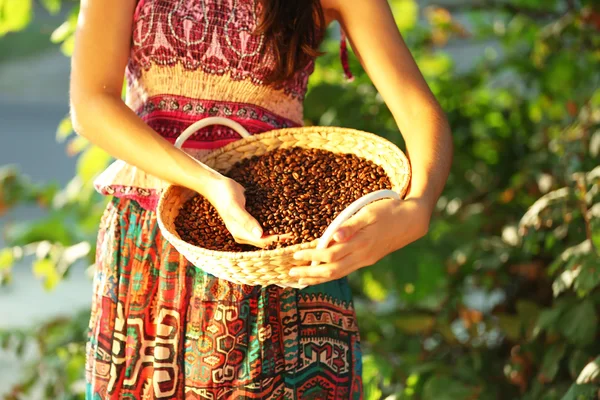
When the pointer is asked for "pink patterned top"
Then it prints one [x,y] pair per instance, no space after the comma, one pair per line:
[192,59]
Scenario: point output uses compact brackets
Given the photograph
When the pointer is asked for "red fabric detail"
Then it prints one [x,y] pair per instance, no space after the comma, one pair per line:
[170,115]
[147,198]
[344,56]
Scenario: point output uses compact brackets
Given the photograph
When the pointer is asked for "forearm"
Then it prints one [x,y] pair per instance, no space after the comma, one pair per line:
[387,60]
[106,121]
[430,150]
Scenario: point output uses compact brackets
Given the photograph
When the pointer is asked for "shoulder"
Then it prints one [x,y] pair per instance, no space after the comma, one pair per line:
[330,10]
[336,9]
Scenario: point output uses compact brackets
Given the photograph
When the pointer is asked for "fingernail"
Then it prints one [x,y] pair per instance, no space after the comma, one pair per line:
[297,256]
[338,236]
[257,232]
[293,272]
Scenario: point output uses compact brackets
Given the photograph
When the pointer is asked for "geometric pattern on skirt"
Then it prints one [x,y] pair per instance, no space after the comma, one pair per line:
[162,329]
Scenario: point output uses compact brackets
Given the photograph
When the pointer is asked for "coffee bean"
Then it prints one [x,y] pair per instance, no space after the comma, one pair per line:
[289,191]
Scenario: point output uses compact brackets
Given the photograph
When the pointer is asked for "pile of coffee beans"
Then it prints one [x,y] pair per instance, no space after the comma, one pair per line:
[290,191]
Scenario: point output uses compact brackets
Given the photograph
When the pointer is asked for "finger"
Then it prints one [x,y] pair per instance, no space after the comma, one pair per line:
[268,240]
[331,254]
[247,223]
[317,271]
[323,271]
[241,237]
[351,227]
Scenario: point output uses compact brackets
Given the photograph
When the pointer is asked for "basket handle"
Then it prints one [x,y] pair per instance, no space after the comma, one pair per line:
[344,216]
[196,126]
[349,211]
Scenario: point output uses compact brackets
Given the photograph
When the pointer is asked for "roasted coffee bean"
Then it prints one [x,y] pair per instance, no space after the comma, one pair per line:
[289,191]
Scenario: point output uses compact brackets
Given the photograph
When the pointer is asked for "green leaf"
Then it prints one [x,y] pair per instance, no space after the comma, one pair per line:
[65,33]
[406,13]
[590,373]
[433,65]
[527,310]
[415,323]
[560,74]
[73,366]
[61,33]
[67,28]
[5,338]
[91,162]
[43,267]
[565,280]
[15,15]
[581,392]
[77,145]
[579,323]
[511,325]
[372,287]
[7,259]
[446,388]
[528,313]
[596,236]
[53,6]
[426,368]
[551,362]
[53,228]
[68,46]
[589,277]
[375,370]
[65,129]
[535,112]
[46,269]
[547,320]
[432,278]
[577,360]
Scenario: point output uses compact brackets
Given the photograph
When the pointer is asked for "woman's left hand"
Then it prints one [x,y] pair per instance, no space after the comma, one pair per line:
[375,231]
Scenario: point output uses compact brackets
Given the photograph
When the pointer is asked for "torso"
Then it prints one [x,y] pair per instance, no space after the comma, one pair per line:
[191,59]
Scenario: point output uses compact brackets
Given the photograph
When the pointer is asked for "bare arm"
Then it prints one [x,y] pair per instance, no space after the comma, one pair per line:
[379,46]
[386,226]
[99,114]
[101,53]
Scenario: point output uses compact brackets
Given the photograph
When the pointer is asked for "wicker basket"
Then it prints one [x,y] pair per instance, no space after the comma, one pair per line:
[266,267]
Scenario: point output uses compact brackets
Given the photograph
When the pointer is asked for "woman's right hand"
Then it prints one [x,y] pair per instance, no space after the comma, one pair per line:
[227,196]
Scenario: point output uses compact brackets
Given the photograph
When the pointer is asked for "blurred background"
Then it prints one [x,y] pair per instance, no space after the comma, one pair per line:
[500,301]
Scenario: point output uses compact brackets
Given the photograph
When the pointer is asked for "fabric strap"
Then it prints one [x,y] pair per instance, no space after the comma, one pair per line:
[344,55]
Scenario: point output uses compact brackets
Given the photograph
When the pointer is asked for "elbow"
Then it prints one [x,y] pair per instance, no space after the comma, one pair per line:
[77,110]
[79,103]
[442,123]
[76,120]
[86,108]
[439,115]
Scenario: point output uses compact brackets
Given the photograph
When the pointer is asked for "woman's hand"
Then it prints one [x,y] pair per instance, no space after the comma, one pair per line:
[227,196]
[375,231]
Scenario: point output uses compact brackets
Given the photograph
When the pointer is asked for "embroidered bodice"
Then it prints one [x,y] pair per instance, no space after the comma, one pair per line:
[215,36]
[191,59]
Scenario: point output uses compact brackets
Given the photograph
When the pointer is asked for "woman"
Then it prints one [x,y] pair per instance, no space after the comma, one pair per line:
[162,329]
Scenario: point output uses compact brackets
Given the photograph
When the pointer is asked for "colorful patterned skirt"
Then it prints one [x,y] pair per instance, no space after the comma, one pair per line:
[163,329]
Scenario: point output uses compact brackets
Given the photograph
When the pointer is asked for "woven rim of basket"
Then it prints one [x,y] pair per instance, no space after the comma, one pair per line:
[175,238]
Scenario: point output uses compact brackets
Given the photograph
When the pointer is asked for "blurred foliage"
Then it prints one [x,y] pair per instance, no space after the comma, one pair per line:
[54,356]
[501,300]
